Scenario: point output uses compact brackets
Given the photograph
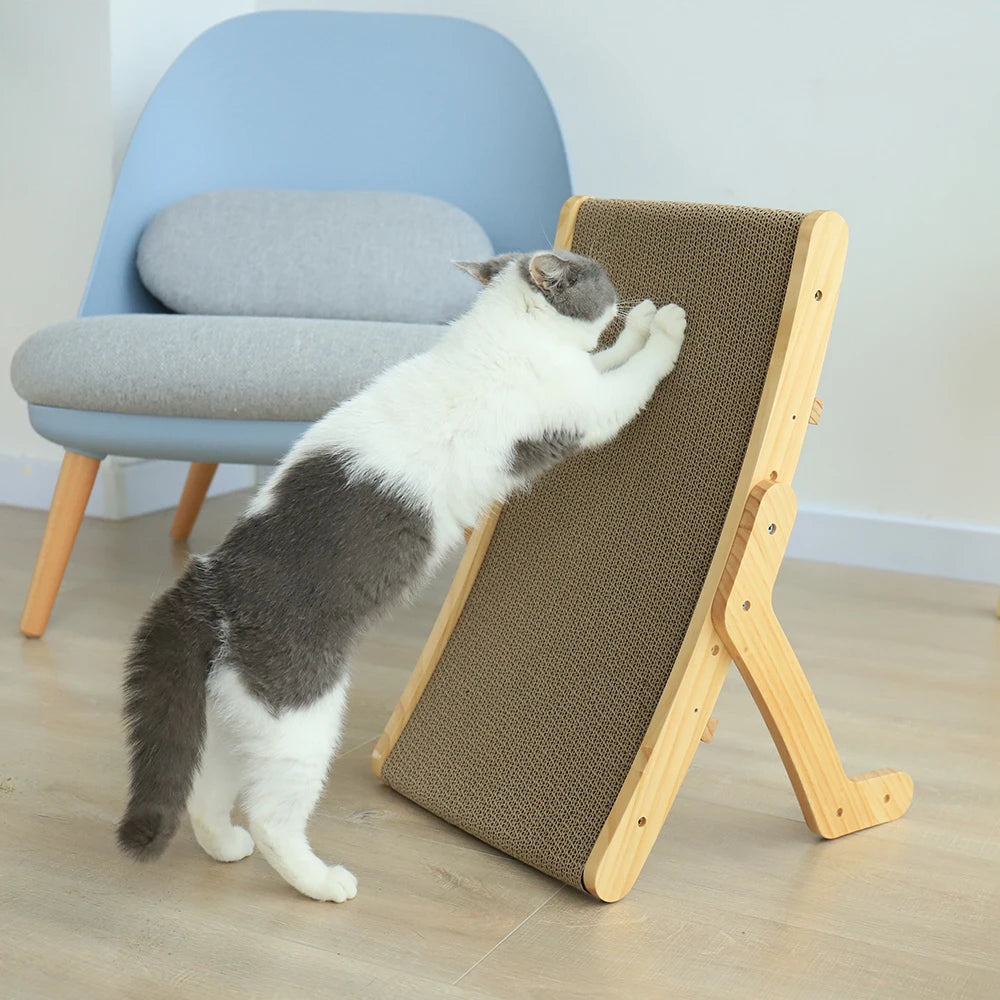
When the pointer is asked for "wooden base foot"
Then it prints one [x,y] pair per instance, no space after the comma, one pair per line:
[76,480]
[199,478]
[832,803]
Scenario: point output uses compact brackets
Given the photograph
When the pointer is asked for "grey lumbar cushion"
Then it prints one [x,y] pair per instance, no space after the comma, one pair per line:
[363,255]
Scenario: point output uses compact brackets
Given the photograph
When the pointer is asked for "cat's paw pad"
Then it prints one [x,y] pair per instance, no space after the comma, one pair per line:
[340,885]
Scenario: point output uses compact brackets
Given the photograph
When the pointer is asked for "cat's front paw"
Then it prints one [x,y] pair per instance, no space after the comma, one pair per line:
[640,317]
[672,321]
[636,330]
[667,332]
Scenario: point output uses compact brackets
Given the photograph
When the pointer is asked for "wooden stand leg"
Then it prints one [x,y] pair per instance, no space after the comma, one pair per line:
[199,478]
[832,803]
[76,480]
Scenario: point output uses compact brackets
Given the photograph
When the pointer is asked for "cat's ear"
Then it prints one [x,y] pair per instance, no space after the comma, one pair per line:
[549,271]
[481,270]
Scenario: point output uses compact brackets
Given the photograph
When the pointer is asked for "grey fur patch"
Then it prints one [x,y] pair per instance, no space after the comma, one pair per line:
[532,457]
[165,710]
[300,581]
[574,285]
[283,599]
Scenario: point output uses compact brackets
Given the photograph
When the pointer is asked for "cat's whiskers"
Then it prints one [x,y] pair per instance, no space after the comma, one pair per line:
[625,305]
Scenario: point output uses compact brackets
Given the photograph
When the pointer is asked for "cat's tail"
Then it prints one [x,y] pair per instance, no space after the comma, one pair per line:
[165,678]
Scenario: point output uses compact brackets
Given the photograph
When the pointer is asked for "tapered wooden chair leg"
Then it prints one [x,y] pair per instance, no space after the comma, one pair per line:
[76,480]
[199,479]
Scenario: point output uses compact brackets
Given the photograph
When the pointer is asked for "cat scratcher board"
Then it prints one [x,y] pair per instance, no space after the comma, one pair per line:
[577,658]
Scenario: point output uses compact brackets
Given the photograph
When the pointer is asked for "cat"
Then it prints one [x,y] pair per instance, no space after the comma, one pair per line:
[235,686]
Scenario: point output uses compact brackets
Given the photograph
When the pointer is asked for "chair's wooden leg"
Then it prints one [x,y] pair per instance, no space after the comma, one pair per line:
[199,478]
[832,803]
[76,480]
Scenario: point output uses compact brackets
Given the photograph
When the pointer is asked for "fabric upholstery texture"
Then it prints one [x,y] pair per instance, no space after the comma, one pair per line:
[235,367]
[539,702]
[364,255]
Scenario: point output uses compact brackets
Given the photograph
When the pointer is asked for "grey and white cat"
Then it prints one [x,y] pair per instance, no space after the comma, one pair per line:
[236,683]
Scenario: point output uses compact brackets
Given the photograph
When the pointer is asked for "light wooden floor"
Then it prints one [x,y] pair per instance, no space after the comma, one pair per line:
[738,899]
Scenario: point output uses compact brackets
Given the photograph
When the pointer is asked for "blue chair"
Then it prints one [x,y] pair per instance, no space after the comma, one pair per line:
[308,100]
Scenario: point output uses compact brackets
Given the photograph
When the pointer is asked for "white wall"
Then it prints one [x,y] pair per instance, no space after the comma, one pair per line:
[74,76]
[55,177]
[886,112]
[146,37]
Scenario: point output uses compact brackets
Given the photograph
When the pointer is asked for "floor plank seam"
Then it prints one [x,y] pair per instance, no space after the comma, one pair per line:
[511,932]
[346,753]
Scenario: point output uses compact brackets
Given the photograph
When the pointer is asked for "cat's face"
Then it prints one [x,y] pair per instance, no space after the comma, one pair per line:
[571,285]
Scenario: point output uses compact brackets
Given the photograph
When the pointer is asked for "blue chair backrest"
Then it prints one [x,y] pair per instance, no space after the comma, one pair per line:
[340,101]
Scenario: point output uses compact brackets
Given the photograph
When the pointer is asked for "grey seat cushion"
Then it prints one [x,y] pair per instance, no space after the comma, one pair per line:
[368,255]
[231,367]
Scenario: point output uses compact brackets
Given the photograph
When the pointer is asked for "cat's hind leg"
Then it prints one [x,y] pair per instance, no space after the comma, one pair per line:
[214,793]
[284,758]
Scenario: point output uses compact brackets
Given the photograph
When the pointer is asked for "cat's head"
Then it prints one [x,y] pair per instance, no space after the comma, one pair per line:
[565,283]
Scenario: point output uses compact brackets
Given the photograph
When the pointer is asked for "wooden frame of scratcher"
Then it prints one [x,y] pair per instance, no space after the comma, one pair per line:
[733,615]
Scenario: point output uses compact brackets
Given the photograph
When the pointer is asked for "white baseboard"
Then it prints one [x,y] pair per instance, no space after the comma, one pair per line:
[127,487]
[148,485]
[958,551]
[124,487]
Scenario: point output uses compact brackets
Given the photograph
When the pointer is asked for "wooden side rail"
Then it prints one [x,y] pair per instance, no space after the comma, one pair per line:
[832,803]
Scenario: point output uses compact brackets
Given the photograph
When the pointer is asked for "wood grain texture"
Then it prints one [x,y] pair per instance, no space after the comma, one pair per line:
[816,414]
[76,480]
[567,221]
[832,803]
[674,732]
[739,901]
[199,479]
